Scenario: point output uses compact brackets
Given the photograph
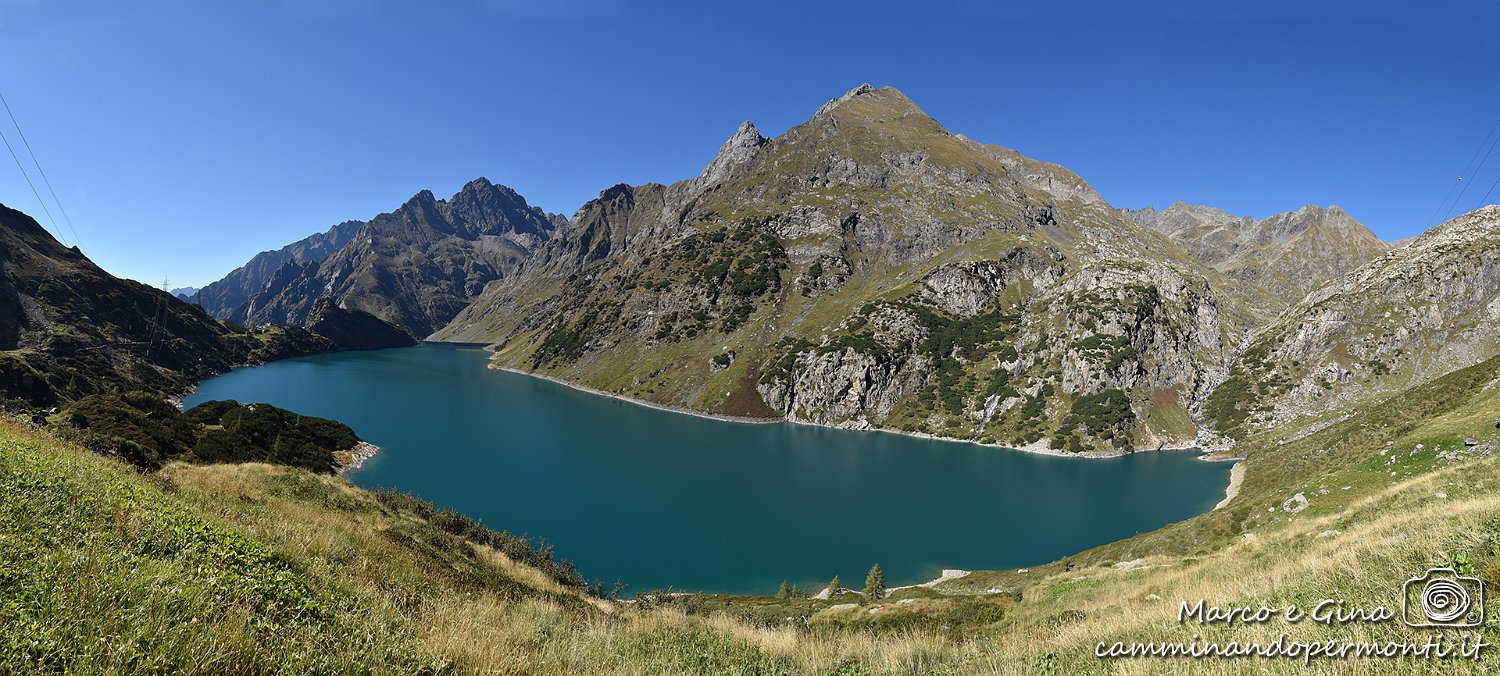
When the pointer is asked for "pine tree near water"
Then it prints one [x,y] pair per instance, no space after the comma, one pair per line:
[785,592]
[875,583]
[834,587]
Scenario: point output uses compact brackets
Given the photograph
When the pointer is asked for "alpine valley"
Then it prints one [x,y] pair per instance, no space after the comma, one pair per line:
[865,269]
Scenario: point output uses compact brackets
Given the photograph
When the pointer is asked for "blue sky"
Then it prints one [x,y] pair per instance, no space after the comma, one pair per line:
[183,137]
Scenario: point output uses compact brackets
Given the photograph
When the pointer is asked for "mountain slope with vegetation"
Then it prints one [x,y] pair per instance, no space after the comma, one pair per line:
[68,329]
[1412,314]
[870,269]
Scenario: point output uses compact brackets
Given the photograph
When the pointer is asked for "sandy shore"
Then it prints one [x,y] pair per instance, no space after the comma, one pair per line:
[1236,477]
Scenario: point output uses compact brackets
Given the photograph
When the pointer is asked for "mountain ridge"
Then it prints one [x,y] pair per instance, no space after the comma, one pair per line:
[223,297]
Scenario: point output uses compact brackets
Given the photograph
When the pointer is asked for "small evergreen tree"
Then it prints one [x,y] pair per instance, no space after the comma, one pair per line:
[785,592]
[834,587]
[875,583]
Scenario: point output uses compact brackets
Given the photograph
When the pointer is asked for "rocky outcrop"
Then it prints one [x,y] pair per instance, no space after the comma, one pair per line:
[353,329]
[987,337]
[735,153]
[846,387]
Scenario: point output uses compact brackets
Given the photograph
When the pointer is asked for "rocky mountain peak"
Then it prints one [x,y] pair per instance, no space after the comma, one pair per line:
[479,185]
[1331,218]
[733,154]
[857,91]
[418,203]
[1181,216]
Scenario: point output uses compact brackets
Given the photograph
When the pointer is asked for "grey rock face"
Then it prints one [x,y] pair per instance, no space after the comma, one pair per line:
[732,155]
[846,387]
[965,289]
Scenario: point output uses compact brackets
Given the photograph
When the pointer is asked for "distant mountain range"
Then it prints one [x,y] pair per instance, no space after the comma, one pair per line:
[867,268]
[1286,256]
[222,298]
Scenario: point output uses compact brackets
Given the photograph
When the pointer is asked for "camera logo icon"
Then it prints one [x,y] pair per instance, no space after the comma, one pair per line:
[1443,598]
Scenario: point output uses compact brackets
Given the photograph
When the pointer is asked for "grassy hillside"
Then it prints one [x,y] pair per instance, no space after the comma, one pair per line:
[254,568]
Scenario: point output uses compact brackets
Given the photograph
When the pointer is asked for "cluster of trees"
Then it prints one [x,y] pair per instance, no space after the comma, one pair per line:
[874,586]
[1098,415]
[147,431]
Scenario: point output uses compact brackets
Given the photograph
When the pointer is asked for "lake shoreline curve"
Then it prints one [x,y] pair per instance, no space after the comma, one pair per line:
[1037,448]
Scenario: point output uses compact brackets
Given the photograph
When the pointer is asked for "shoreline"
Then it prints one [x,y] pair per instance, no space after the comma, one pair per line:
[1036,448]
[945,575]
[638,402]
[1236,478]
[354,458]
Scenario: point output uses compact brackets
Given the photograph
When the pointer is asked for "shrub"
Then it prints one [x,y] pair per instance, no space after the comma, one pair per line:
[1100,414]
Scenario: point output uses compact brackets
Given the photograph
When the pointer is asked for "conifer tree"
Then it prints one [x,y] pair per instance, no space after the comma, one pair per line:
[875,583]
[834,587]
[785,592]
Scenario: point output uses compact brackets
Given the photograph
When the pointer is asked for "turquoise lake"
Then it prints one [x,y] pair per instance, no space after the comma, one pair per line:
[663,500]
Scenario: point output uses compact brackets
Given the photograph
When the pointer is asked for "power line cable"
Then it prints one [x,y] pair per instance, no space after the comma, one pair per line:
[1487,192]
[48,182]
[1432,220]
[1477,169]
[33,185]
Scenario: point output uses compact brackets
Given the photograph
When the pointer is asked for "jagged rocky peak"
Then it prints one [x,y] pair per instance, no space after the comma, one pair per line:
[1285,255]
[497,209]
[735,153]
